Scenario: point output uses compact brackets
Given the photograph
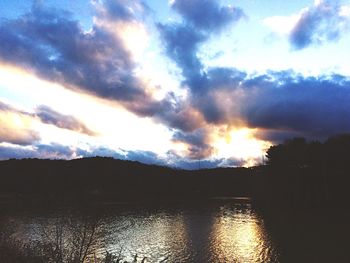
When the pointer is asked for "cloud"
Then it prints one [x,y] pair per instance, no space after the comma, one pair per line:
[277,102]
[49,116]
[16,126]
[195,165]
[235,162]
[147,157]
[309,105]
[58,151]
[102,151]
[123,10]
[282,24]
[54,151]
[325,21]
[276,136]
[198,143]
[182,40]
[12,152]
[43,151]
[54,46]
[181,44]
[176,161]
[207,15]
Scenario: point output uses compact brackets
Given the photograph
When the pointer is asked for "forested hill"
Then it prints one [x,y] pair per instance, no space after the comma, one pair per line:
[297,171]
[100,177]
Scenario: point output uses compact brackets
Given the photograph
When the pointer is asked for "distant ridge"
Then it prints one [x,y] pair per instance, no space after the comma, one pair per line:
[105,177]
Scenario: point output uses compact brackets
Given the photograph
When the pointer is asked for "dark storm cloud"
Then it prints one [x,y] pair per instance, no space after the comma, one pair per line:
[309,105]
[280,103]
[50,116]
[207,15]
[53,45]
[278,136]
[318,24]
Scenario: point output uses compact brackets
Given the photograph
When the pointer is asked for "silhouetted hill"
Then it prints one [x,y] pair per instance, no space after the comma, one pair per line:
[101,179]
[111,179]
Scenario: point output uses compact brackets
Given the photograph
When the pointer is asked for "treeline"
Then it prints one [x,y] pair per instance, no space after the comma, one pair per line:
[100,179]
[299,152]
[307,173]
[298,171]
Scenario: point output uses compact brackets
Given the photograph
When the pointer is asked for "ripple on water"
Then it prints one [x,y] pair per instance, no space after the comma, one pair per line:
[213,233]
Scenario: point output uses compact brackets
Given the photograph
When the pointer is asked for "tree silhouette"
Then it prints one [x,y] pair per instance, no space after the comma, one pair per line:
[335,151]
[291,152]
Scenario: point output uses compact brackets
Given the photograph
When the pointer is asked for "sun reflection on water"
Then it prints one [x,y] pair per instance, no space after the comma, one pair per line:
[239,237]
[220,233]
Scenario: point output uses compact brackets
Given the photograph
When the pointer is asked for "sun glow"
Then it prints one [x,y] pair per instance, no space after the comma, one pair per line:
[241,143]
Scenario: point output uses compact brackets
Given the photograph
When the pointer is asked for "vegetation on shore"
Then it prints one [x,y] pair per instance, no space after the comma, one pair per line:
[296,171]
[63,240]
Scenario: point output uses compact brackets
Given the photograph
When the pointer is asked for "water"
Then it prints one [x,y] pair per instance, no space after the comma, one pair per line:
[220,231]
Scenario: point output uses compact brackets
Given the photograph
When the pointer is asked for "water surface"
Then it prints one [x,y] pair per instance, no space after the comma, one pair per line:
[220,231]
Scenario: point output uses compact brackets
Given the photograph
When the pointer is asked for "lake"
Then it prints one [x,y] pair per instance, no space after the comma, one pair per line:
[215,231]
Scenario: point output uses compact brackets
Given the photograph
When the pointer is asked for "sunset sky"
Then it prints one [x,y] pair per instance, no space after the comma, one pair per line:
[171,82]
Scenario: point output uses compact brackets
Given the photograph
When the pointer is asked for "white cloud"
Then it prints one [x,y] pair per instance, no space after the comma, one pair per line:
[284,24]
[281,24]
[345,11]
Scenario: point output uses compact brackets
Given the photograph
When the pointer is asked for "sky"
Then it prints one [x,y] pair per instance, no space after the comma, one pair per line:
[184,83]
